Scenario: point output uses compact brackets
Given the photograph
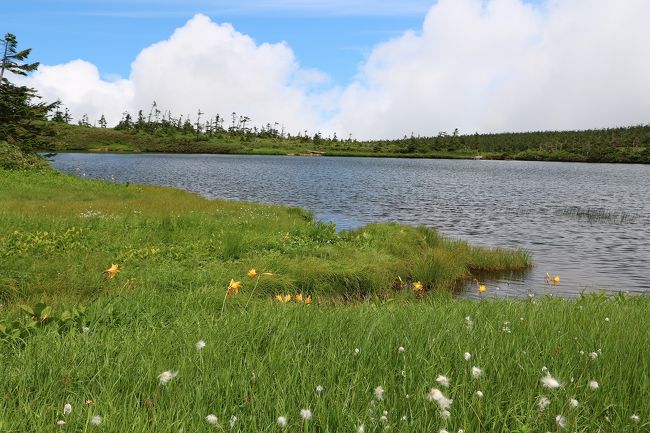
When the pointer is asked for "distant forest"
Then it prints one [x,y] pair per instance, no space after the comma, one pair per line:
[160,131]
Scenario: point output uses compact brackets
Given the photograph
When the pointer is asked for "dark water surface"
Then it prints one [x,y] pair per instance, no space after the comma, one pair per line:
[588,223]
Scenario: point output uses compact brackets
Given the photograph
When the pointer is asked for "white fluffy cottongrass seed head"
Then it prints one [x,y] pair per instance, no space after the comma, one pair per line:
[635,418]
[445,414]
[593,385]
[467,356]
[442,430]
[574,403]
[232,421]
[401,349]
[67,409]
[361,429]
[543,402]
[550,382]
[305,414]
[436,395]
[96,420]
[60,423]
[476,372]
[200,345]
[560,421]
[479,394]
[212,419]
[166,376]
[443,380]
[319,389]
[282,421]
[379,393]
[356,351]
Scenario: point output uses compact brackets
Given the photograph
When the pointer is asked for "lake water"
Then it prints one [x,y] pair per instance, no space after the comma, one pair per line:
[588,223]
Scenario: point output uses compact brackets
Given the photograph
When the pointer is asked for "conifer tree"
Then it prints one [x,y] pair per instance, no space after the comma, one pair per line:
[22,117]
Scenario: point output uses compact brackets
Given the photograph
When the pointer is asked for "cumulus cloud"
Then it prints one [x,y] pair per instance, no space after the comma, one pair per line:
[476,65]
[203,65]
[79,86]
[504,65]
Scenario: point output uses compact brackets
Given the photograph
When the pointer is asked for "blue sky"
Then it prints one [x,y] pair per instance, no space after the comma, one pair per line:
[330,36]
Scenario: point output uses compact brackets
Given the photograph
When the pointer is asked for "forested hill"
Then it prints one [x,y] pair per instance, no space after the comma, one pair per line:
[624,144]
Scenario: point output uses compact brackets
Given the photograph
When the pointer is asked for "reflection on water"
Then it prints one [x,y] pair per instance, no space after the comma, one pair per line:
[589,223]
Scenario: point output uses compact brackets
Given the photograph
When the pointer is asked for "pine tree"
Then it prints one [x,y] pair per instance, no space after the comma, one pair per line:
[22,119]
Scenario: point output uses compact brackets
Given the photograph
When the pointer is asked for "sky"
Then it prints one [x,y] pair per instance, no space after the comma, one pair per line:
[372,69]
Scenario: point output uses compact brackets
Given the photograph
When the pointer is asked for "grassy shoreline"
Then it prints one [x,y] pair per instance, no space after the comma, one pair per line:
[152,231]
[108,340]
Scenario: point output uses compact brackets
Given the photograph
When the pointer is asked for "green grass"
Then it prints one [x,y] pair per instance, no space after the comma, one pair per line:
[57,234]
[264,359]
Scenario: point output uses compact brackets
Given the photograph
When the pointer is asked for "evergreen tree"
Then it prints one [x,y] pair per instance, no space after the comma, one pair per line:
[13,60]
[22,117]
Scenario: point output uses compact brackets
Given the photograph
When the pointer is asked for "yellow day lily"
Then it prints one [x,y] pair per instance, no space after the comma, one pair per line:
[308,300]
[234,286]
[417,286]
[298,297]
[482,288]
[252,273]
[287,297]
[112,271]
[278,298]
[556,280]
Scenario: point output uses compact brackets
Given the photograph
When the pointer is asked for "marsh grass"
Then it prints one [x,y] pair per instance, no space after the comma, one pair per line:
[597,215]
[264,359]
[58,233]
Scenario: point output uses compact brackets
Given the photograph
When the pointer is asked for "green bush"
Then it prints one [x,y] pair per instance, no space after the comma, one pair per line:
[13,158]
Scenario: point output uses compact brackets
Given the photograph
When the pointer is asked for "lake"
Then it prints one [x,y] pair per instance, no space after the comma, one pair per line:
[587,223]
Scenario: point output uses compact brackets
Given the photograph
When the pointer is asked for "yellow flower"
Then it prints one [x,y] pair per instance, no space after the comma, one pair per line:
[287,297]
[234,286]
[417,286]
[112,271]
[252,273]
[298,297]
[556,280]
[482,288]
[278,298]
[308,300]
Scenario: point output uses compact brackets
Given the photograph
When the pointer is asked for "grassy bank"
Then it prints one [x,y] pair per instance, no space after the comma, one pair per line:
[627,145]
[100,344]
[57,234]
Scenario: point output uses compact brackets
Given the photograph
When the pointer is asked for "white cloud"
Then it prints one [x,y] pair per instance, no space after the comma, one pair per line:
[203,66]
[476,65]
[504,65]
[79,86]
